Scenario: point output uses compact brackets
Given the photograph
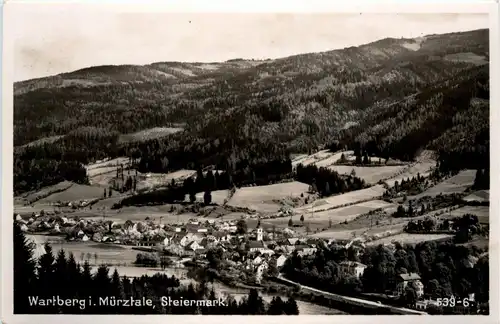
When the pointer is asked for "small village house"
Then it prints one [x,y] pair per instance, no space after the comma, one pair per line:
[303,250]
[406,279]
[280,261]
[352,268]
[193,246]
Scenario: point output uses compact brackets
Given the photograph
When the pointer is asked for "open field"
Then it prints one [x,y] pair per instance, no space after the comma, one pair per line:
[422,168]
[321,220]
[218,196]
[371,175]
[148,134]
[33,196]
[348,213]
[456,184]
[109,202]
[332,159]
[343,199]
[482,213]
[26,211]
[107,163]
[103,178]
[348,234]
[110,253]
[406,238]
[154,180]
[313,158]
[132,271]
[266,198]
[104,170]
[75,193]
[137,214]
[479,196]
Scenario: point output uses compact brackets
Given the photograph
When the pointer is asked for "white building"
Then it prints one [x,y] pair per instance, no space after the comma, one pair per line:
[406,279]
[280,261]
[260,234]
[351,268]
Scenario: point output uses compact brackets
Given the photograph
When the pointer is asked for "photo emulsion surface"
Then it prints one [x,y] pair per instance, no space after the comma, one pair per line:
[251,164]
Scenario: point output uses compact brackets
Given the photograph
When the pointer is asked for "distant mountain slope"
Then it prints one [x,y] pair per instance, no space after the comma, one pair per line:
[451,117]
[302,100]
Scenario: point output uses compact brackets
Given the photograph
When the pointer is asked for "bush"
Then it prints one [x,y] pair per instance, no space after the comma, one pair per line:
[147,259]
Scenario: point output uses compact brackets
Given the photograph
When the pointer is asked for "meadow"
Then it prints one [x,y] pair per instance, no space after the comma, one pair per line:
[406,238]
[456,184]
[371,174]
[343,199]
[266,198]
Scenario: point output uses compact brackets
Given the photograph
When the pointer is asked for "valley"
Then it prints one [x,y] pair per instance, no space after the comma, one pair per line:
[310,167]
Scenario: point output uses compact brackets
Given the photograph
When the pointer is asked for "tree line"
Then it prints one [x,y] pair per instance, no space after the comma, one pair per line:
[328,182]
[444,268]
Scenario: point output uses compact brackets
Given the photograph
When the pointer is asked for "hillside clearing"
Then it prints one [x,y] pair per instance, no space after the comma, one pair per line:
[100,171]
[155,180]
[107,163]
[76,192]
[348,213]
[479,196]
[266,198]
[482,213]
[148,134]
[422,168]
[456,184]
[405,238]
[343,199]
[349,234]
[44,192]
[218,196]
[313,158]
[332,159]
[371,175]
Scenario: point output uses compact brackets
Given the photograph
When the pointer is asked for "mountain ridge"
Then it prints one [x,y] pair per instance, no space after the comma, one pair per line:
[390,98]
[253,61]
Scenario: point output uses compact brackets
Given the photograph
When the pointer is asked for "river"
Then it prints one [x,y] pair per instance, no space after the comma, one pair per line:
[119,254]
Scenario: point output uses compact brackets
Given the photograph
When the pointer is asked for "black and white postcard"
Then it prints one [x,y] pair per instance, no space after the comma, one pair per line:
[225,159]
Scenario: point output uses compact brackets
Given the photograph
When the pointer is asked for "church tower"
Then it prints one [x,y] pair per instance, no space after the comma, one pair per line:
[260,234]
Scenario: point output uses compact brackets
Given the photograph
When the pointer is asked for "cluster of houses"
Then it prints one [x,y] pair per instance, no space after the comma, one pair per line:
[252,251]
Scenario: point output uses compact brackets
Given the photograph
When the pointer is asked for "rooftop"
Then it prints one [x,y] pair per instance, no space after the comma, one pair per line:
[409,276]
[256,244]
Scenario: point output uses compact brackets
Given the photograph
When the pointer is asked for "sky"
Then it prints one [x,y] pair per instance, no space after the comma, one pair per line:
[48,42]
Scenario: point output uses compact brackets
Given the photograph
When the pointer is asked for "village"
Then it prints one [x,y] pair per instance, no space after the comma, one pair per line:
[251,255]
[246,237]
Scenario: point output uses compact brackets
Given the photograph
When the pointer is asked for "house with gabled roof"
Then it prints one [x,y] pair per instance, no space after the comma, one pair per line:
[193,246]
[352,268]
[409,279]
[256,246]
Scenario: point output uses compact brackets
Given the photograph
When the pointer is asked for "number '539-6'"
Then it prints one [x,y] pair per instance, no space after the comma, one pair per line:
[452,302]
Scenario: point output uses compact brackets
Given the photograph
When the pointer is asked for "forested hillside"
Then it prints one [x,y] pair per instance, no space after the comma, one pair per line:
[392,97]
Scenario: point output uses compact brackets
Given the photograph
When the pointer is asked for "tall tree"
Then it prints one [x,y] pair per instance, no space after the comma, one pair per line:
[24,272]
